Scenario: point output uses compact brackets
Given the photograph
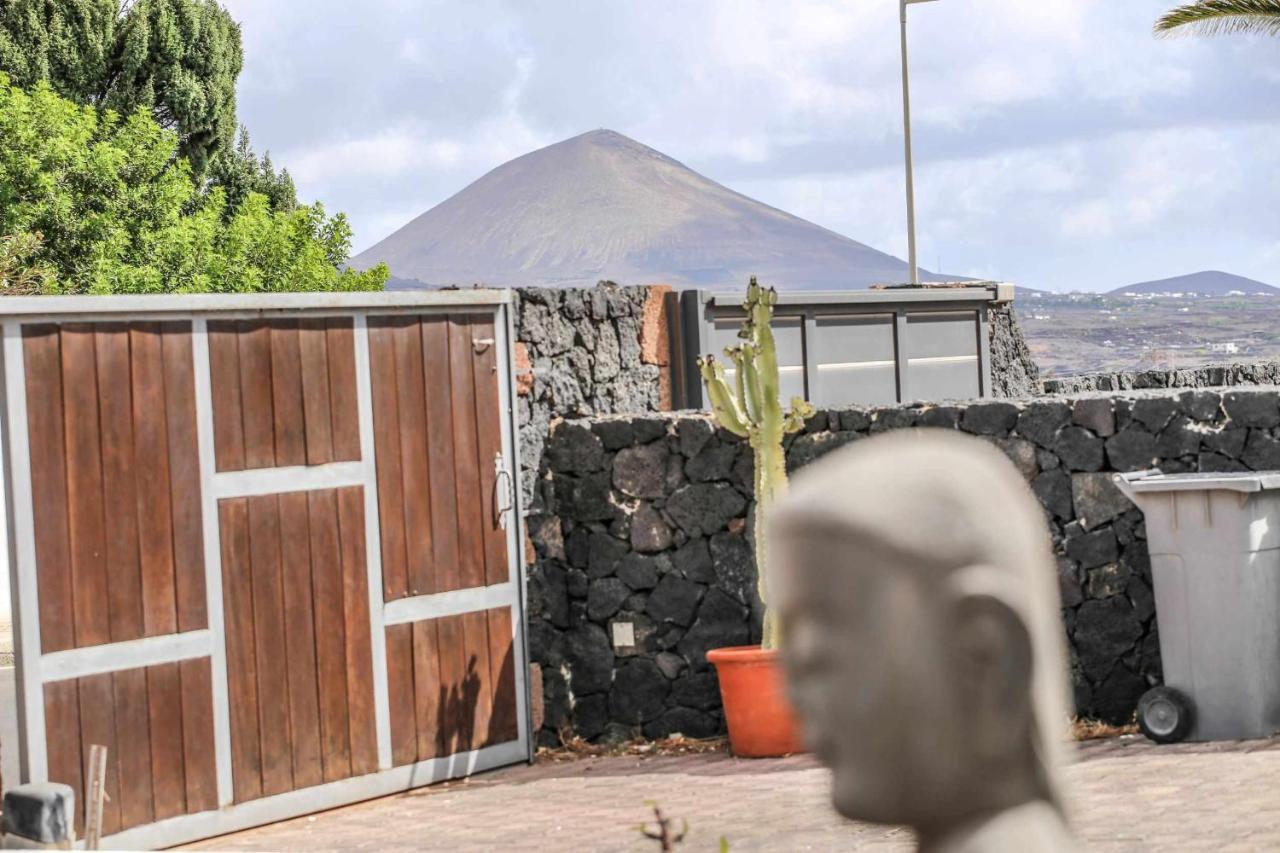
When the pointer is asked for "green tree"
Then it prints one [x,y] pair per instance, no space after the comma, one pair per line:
[1215,17]
[118,211]
[177,58]
[239,172]
[20,273]
[66,42]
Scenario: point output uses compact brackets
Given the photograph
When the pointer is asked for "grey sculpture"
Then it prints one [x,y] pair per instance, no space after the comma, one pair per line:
[922,640]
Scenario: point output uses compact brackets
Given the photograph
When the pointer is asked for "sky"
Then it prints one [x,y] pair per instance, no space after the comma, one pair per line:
[1058,145]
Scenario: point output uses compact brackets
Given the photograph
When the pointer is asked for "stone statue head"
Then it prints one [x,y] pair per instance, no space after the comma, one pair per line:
[922,632]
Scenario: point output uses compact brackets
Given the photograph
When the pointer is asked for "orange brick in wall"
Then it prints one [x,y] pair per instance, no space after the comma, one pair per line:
[524,370]
[655,340]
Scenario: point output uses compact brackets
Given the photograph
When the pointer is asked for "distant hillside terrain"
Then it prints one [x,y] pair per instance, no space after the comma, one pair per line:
[603,206]
[1208,283]
[1076,333]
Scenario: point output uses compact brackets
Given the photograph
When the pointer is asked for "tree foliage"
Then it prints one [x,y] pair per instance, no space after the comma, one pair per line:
[20,273]
[119,213]
[239,172]
[177,58]
[1216,17]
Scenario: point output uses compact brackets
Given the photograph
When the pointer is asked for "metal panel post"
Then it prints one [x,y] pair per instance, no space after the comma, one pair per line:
[984,352]
[695,330]
[809,345]
[504,332]
[900,353]
[20,527]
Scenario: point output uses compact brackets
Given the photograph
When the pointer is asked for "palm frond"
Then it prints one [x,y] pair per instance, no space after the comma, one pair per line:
[1217,17]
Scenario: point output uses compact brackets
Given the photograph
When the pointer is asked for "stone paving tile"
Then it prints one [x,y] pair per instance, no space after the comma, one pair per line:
[1126,795]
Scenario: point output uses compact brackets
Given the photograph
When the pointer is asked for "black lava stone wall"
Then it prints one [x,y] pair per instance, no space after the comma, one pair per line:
[1204,376]
[585,357]
[644,559]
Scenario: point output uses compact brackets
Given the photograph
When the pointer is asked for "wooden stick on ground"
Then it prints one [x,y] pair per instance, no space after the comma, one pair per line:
[96,790]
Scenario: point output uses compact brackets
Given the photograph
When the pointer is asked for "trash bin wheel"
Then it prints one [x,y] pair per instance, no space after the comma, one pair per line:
[1164,715]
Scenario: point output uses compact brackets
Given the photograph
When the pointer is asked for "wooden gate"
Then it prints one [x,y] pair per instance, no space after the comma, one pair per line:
[264,549]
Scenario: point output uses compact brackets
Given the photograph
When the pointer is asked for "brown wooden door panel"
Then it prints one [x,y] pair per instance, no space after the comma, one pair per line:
[452,683]
[299,657]
[437,426]
[283,392]
[158,731]
[115,482]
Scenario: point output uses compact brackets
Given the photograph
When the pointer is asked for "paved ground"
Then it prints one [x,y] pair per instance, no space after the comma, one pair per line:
[1130,795]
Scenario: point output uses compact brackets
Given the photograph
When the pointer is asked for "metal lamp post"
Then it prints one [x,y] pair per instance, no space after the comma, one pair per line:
[906,120]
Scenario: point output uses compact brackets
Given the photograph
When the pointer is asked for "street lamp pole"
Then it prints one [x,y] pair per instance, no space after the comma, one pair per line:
[906,121]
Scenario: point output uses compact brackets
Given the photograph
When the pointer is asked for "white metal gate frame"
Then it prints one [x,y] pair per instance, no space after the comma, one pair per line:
[35,669]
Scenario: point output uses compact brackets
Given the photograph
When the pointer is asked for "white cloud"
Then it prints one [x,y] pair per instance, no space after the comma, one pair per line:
[1057,141]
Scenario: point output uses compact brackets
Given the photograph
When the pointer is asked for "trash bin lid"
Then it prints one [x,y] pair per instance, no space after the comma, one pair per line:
[1155,481]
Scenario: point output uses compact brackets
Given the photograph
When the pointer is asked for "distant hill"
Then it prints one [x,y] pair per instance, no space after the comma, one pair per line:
[603,206]
[1208,283]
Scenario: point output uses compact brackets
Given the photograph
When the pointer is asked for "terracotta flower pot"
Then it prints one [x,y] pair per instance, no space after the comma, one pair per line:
[761,722]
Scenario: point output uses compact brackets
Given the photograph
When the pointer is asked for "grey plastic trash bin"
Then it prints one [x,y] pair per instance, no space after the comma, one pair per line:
[1215,562]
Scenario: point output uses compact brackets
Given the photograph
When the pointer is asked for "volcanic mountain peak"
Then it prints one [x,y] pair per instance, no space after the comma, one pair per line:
[603,206]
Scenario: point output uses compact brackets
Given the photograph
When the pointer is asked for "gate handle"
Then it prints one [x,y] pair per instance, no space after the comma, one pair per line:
[502,497]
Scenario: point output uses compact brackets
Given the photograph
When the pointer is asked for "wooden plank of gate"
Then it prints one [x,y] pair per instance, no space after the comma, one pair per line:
[286,393]
[134,748]
[330,626]
[42,354]
[386,438]
[62,736]
[184,476]
[455,686]
[440,453]
[400,694]
[198,752]
[430,695]
[410,392]
[119,481]
[300,639]
[316,405]
[269,643]
[502,668]
[164,684]
[224,387]
[155,515]
[342,389]
[355,589]
[84,486]
[489,417]
[98,726]
[466,454]
[478,712]
[255,395]
[242,669]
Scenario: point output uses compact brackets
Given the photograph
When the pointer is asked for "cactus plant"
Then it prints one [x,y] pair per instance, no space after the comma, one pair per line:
[752,410]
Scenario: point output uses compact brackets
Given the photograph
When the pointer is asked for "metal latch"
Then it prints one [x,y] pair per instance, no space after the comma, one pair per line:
[481,345]
[503,497]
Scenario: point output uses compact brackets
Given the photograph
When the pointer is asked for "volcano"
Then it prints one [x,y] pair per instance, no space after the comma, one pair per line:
[603,206]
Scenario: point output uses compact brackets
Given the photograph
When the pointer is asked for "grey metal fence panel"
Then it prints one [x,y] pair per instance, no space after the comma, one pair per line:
[865,347]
